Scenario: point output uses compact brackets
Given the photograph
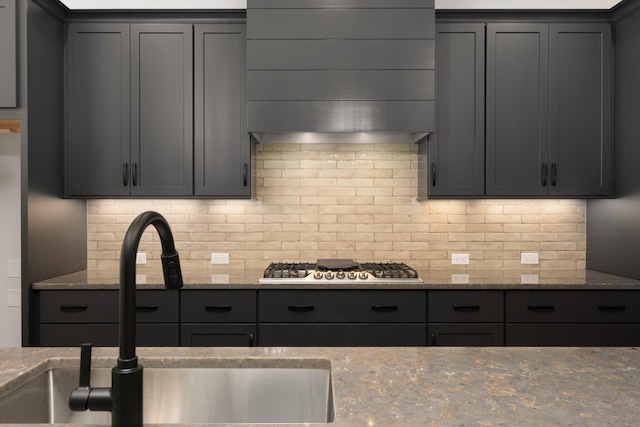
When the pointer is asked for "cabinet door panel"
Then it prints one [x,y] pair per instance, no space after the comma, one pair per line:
[162,109]
[203,335]
[218,306]
[222,145]
[580,128]
[517,110]
[81,306]
[466,306]
[581,335]
[98,110]
[456,150]
[8,53]
[471,335]
[105,335]
[343,335]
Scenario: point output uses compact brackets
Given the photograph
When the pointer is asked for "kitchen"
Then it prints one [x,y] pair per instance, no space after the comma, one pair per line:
[492,232]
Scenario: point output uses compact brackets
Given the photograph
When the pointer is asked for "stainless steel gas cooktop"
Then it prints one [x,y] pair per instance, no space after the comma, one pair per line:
[339,270]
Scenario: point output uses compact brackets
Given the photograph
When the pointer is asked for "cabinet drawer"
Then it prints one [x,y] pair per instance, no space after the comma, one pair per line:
[102,306]
[466,306]
[343,335]
[106,335]
[209,306]
[573,306]
[342,306]
[84,306]
[217,335]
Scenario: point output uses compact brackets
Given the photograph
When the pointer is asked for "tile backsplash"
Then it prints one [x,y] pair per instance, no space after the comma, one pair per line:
[346,201]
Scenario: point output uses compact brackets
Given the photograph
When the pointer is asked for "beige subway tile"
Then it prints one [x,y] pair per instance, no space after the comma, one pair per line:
[540,237]
[522,246]
[374,246]
[300,245]
[465,219]
[375,228]
[447,228]
[394,255]
[410,246]
[373,210]
[372,192]
[466,237]
[489,264]
[354,237]
[558,246]
[447,246]
[337,173]
[503,219]
[503,237]
[522,228]
[486,246]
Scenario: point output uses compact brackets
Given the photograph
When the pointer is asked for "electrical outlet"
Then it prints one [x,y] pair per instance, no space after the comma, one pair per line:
[219,258]
[220,278]
[141,258]
[13,298]
[529,279]
[460,279]
[529,258]
[460,259]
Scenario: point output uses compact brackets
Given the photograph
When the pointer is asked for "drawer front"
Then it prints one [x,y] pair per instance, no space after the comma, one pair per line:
[106,335]
[213,306]
[466,306]
[102,306]
[573,306]
[343,335]
[342,306]
[99,306]
[216,335]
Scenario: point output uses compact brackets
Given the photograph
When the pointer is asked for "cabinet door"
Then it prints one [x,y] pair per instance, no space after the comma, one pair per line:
[8,53]
[222,158]
[98,110]
[517,155]
[456,150]
[220,335]
[572,335]
[162,110]
[466,334]
[580,64]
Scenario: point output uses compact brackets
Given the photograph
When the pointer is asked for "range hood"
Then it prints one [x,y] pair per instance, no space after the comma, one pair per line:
[340,70]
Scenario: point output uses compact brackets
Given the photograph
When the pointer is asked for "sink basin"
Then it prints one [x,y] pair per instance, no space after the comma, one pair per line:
[185,395]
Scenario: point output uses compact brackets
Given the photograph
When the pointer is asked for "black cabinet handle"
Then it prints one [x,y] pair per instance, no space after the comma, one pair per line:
[218,308]
[245,174]
[125,174]
[554,173]
[384,308]
[251,341]
[134,175]
[466,307]
[434,339]
[433,174]
[541,308]
[73,308]
[301,308]
[543,174]
[146,308]
[612,308]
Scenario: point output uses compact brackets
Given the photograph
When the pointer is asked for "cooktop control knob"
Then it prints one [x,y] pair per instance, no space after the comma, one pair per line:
[363,275]
[328,275]
[317,274]
[340,275]
[352,275]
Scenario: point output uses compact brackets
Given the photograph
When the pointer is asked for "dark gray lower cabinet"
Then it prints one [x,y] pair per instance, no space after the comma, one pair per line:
[218,318]
[342,318]
[466,318]
[74,317]
[573,318]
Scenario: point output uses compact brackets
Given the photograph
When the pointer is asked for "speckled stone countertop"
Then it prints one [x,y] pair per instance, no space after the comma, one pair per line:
[455,278]
[428,386]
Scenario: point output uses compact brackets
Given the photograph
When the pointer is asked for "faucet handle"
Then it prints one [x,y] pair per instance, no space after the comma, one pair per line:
[171,270]
[79,399]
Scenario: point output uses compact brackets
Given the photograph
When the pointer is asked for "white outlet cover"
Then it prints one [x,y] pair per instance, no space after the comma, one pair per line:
[13,298]
[14,269]
[460,259]
[460,279]
[141,258]
[529,258]
[219,258]
[220,279]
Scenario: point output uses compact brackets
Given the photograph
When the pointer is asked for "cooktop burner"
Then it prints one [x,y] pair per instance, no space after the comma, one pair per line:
[339,270]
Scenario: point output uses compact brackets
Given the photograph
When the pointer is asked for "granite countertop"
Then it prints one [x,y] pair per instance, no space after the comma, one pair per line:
[454,278]
[427,386]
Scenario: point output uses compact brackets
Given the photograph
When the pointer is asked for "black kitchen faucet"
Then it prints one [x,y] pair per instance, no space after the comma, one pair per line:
[124,398]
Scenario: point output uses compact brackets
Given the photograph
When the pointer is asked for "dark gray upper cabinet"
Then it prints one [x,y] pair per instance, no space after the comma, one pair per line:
[98,110]
[456,151]
[580,130]
[161,109]
[348,66]
[222,161]
[517,146]
[8,53]
[548,110]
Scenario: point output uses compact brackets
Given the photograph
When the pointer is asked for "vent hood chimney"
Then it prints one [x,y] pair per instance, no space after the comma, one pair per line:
[340,70]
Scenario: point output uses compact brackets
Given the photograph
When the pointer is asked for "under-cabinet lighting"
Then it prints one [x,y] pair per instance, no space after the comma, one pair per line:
[9,126]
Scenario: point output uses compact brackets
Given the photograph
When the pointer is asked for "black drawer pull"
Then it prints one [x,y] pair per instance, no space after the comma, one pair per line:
[218,308]
[384,308]
[612,308]
[73,308]
[301,308]
[146,308]
[466,307]
[541,308]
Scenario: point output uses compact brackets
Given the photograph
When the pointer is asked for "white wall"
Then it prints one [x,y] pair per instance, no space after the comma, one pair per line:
[10,329]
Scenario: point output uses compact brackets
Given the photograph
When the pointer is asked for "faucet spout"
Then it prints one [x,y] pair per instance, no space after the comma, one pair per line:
[172,278]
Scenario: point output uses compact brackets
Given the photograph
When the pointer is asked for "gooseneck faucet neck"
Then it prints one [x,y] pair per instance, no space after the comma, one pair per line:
[172,279]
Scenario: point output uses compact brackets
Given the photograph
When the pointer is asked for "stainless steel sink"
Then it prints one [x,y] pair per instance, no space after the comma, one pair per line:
[185,395]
